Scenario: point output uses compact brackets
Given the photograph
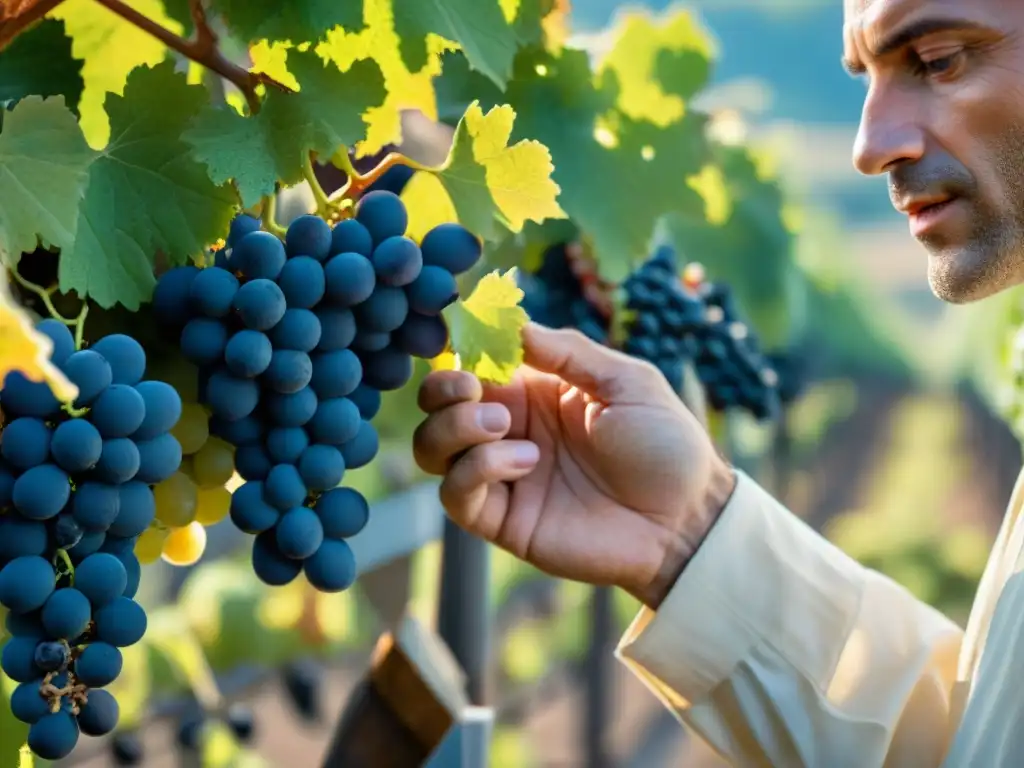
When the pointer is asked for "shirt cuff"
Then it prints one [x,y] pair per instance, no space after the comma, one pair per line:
[762,576]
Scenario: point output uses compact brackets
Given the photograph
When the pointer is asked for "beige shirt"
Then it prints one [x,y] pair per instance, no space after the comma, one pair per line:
[781,651]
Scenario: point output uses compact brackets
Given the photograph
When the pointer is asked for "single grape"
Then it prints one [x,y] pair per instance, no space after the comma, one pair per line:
[299,329]
[321,467]
[172,296]
[98,665]
[20,537]
[350,279]
[214,505]
[63,342]
[308,235]
[52,656]
[361,449]
[433,290]
[118,412]
[248,353]
[332,568]
[176,500]
[349,236]
[76,445]
[384,311]
[338,329]
[126,749]
[230,397]
[150,545]
[383,214]
[241,226]
[259,255]
[303,282]
[343,512]
[397,261]
[121,622]
[269,564]
[293,410]
[126,356]
[53,736]
[213,292]
[184,546]
[65,530]
[367,400]
[289,371]
[214,464]
[25,442]
[335,374]
[102,578]
[203,340]
[96,505]
[283,487]
[89,544]
[66,613]
[387,370]
[260,304]
[41,492]
[119,461]
[21,397]
[299,533]
[27,703]
[99,714]
[368,341]
[162,407]
[252,462]
[422,336]
[452,247]
[18,659]
[90,372]
[159,458]
[250,512]
[335,422]
[286,444]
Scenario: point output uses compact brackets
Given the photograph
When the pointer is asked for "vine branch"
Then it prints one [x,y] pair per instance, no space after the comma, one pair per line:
[202,48]
[357,182]
[18,17]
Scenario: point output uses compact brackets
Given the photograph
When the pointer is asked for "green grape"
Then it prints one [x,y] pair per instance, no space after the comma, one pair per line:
[150,545]
[214,505]
[192,429]
[213,464]
[177,500]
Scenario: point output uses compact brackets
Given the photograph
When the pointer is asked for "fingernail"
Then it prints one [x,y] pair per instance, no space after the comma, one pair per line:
[526,455]
[493,417]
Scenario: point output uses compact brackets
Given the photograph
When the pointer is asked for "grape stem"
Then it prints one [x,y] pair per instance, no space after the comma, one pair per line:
[357,182]
[15,23]
[202,49]
[269,216]
[61,555]
[78,322]
[323,203]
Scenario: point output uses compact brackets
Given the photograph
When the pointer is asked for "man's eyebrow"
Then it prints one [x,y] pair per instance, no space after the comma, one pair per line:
[908,34]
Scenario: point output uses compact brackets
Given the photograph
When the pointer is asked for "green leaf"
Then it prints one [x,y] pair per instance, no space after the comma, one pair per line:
[260,150]
[146,193]
[111,48]
[39,62]
[44,164]
[478,26]
[298,21]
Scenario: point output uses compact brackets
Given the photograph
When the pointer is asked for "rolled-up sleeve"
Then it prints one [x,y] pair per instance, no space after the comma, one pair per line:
[780,650]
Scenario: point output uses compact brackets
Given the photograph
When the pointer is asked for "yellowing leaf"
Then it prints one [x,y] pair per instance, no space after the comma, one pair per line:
[486,328]
[711,185]
[658,66]
[427,203]
[23,348]
[111,48]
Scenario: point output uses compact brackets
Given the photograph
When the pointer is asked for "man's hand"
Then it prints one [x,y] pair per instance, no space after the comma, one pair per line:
[587,465]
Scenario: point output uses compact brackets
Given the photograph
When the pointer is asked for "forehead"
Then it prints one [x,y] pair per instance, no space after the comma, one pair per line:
[867,22]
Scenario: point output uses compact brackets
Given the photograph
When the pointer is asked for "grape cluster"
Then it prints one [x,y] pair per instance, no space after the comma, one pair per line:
[75,495]
[564,293]
[295,341]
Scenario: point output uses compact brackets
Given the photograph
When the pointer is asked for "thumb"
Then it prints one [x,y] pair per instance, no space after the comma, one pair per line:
[590,367]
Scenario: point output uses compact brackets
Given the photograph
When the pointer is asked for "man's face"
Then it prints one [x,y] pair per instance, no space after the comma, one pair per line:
[944,117]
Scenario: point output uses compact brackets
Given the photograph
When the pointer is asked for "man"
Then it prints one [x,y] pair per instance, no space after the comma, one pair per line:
[765,639]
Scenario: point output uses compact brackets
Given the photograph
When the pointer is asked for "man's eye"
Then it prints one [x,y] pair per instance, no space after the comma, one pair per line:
[941,66]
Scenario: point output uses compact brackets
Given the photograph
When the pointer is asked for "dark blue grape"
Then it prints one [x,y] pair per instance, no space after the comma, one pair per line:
[384,311]
[367,400]
[269,564]
[171,297]
[252,462]
[90,543]
[118,412]
[338,328]
[21,397]
[383,214]
[308,235]
[25,442]
[24,625]
[76,445]
[66,532]
[121,622]
[349,236]
[126,356]
[126,749]
[90,372]
[159,458]
[247,430]
[248,353]
[452,247]
[424,336]
[293,410]
[27,703]
[230,397]
[18,659]
[41,492]
[241,226]
[350,279]
[119,461]
[322,467]
[26,583]
[332,568]
[51,656]
[397,261]
[134,570]
[96,505]
[343,512]
[53,736]
[20,537]
[335,374]
[99,714]
[101,577]
[213,292]
[387,370]
[250,512]
[259,255]
[432,291]
[361,449]
[98,665]
[283,487]
[335,422]
[299,533]
[303,282]
[289,371]
[163,409]
[368,341]
[63,342]
[260,304]
[203,340]
[66,614]
[299,329]
[286,444]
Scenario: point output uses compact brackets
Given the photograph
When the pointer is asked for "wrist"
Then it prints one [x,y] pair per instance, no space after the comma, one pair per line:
[678,547]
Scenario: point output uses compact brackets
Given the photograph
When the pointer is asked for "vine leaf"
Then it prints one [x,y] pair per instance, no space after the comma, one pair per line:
[260,150]
[295,20]
[486,328]
[39,62]
[485,178]
[44,164]
[478,26]
[24,349]
[146,193]
[111,48]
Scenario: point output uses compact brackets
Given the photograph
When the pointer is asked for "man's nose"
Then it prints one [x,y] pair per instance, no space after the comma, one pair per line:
[889,134]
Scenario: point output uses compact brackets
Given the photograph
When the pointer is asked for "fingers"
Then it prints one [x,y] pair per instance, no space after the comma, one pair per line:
[455,428]
[590,367]
[473,492]
[443,388]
